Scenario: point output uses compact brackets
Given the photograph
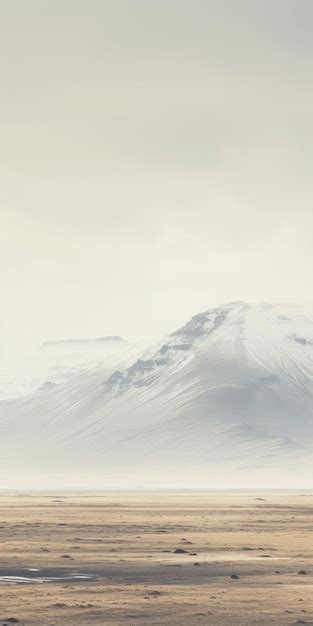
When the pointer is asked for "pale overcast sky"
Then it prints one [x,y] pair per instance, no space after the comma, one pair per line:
[155,160]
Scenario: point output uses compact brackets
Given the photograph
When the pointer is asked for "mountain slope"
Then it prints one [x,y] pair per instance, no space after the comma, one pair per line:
[55,362]
[226,400]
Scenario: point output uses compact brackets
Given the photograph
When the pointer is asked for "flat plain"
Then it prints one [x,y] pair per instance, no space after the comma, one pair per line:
[156,558]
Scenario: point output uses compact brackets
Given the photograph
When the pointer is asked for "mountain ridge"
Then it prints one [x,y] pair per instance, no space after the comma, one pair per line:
[81,341]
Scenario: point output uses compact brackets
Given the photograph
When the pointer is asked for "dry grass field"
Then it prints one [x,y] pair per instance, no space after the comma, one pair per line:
[127,545]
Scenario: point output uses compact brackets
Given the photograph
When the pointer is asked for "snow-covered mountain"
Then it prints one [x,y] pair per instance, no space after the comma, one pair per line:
[55,362]
[226,400]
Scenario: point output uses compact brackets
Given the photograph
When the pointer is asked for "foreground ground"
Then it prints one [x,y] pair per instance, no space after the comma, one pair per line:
[126,543]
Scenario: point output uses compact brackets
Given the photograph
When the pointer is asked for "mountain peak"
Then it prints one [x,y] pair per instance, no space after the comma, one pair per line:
[207,322]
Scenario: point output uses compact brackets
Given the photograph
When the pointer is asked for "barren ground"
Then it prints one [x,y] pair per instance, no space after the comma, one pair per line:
[126,543]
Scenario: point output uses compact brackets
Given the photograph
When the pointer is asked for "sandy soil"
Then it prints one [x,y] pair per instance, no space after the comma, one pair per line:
[127,544]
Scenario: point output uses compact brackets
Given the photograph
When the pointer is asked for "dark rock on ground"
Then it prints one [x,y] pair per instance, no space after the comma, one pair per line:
[180,551]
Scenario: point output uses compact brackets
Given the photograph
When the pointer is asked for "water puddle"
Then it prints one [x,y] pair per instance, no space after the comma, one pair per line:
[37,576]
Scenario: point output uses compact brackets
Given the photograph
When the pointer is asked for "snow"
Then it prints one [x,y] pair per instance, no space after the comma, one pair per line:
[225,401]
[55,361]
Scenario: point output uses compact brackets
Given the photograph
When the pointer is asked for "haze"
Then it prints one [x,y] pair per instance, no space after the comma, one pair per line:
[155,160]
